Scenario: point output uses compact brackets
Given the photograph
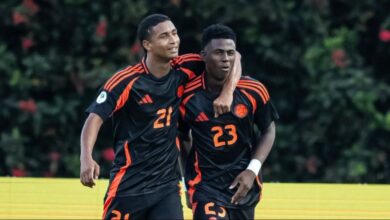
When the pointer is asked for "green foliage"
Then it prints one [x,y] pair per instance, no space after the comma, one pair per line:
[324,62]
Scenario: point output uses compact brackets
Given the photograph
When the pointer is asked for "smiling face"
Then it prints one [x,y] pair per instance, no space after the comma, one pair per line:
[219,55]
[163,41]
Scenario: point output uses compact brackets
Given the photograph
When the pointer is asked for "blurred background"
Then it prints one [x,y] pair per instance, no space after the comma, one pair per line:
[325,63]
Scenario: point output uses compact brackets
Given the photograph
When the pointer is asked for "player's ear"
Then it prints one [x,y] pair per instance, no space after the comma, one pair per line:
[146,44]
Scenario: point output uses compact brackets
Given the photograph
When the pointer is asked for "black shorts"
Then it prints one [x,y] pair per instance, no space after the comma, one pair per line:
[212,211]
[166,207]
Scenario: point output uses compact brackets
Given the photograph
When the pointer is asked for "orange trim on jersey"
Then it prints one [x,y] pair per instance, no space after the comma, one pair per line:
[190,74]
[194,205]
[118,74]
[259,86]
[183,103]
[263,97]
[251,99]
[125,95]
[260,185]
[118,77]
[193,82]
[186,99]
[144,65]
[264,89]
[187,57]
[119,80]
[256,85]
[117,179]
[192,87]
[178,143]
[182,110]
[196,180]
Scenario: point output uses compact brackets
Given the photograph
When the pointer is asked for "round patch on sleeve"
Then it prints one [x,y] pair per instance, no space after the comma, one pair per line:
[102,97]
[240,110]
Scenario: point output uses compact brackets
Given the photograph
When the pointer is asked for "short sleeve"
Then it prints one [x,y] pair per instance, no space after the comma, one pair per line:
[190,64]
[114,94]
[265,115]
[263,109]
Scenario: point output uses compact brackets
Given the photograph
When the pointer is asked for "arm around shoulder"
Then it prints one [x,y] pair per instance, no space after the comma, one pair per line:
[223,102]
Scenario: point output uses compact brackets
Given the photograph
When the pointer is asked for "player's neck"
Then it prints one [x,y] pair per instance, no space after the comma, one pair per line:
[157,66]
[213,85]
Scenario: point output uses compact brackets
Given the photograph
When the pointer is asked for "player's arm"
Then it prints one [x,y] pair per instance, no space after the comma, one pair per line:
[264,146]
[264,116]
[246,178]
[185,139]
[224,101]
[192,65]
[112,97]
[89,169]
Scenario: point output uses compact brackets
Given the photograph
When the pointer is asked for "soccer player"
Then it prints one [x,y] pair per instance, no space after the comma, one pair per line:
[143,102]
[223,168]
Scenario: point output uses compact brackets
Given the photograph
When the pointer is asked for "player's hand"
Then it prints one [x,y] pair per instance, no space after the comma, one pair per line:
[188,201]
[222,104]
[89,170]
[244,181]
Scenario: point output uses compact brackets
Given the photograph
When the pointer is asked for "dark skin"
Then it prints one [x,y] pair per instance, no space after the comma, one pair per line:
[246,178]
[161,47]
[219,56]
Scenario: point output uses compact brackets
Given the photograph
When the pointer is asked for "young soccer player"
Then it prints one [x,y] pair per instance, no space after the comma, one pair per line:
[223,168]
[143,102]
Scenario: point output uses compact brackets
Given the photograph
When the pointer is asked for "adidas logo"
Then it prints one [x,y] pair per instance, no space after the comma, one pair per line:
[146,100]
[201,117]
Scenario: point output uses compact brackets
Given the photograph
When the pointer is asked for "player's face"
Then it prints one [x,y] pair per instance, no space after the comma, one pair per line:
[219,55]
[163,41]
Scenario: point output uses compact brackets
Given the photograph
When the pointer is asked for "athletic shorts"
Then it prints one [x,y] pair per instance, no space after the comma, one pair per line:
[166,207]
[212,211]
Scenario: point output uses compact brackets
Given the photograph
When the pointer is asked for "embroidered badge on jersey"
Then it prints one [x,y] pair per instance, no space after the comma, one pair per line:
[240,110]
[102,97]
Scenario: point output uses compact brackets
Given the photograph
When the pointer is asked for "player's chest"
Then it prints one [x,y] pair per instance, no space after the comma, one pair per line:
[149,95]
[202,113]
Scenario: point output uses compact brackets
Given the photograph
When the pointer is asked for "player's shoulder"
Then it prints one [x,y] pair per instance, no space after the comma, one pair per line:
[193,87]
[252,87]
[124,75]
[247,79]
[247,82]
[185,58]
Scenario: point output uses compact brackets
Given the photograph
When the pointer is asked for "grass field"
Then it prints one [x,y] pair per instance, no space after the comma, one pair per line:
[37,198]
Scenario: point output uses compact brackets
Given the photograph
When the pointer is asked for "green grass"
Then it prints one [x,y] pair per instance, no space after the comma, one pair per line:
[39,198]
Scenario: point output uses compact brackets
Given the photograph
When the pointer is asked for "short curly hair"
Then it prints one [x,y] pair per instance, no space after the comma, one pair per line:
[217,31]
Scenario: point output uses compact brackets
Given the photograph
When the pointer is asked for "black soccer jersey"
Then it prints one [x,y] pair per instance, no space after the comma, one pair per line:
[144,111]
[222,147]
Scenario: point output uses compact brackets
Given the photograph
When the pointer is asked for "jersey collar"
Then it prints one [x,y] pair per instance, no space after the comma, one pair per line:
[144,65]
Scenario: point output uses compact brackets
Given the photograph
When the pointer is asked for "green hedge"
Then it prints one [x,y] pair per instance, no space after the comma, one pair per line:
[324,62]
